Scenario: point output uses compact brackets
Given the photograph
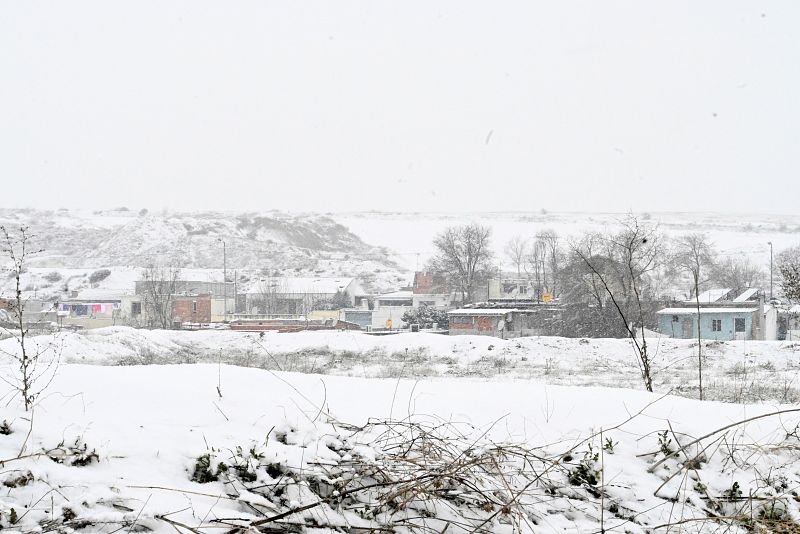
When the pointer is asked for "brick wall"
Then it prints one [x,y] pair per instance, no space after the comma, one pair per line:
[192,309]
[476,325]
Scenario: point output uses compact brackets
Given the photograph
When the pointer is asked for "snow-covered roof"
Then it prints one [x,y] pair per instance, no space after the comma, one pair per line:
[482,311]
[317,286]
[712,295]
[746,295]
[203,275]
[795,309]
[703,311]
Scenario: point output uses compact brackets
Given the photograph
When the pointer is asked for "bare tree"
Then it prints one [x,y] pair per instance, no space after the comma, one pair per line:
[737,273]
[789,271]
[580,283]
[463,257]
[338,301]
[695,254]
[630,257]
[549,241]
[534,267]
[516,251]
[159,284]
[36,370]
[268,290]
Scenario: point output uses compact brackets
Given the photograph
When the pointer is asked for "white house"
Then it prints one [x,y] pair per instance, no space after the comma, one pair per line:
[390,307]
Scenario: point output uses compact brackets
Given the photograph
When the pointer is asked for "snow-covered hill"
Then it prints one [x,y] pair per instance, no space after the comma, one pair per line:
[255,244]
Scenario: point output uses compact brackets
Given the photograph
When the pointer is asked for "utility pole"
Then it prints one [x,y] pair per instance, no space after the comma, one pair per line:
[224,277]
[770,269]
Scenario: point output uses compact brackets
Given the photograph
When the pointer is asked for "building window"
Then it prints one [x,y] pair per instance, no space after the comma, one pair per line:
[136,308]
[716,325]
[461,320]
[523,290]
[194,306]
[675,319]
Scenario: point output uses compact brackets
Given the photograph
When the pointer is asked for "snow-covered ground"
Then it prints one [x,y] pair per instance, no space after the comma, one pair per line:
[733,371]
[203,447]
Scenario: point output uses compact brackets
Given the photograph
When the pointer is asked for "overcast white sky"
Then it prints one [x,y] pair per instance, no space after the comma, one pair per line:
[434,106]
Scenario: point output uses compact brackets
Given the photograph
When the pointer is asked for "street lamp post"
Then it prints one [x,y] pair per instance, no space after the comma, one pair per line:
[224,277]
[770,269]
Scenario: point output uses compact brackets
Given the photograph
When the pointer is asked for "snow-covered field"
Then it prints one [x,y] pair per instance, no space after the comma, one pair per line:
[205,447]
[410,234]
[764,371]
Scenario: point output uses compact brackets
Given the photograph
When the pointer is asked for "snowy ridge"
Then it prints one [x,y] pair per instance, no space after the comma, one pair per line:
[255,244]
[87,239]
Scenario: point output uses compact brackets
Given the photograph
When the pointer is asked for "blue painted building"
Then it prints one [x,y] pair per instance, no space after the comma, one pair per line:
[721,323]
[361,317]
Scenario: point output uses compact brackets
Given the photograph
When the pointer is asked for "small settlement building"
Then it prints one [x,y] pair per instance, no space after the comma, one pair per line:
[37,313]
[358,316]
[221,297]
[389,308]
[510,288]
[504,323]
[98,308]
[431,290]
[300,295]
[724,324]
[723,317]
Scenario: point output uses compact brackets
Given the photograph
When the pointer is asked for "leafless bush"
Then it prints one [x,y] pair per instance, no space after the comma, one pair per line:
[427,477]
[36,362]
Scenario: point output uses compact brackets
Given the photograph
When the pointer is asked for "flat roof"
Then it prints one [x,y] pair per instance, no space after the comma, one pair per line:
[397,295]
[482,311]
[703,311]
[300,285]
